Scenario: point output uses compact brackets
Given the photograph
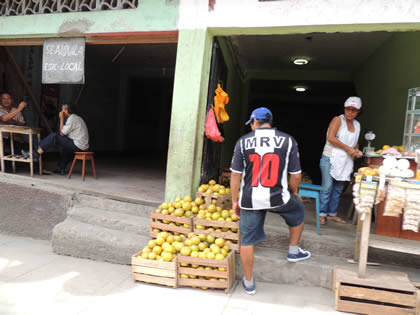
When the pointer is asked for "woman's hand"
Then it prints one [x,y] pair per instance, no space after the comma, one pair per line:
[354,153]
[351,151]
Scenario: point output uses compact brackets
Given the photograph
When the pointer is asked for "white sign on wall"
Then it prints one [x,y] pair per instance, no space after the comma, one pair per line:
[63,61]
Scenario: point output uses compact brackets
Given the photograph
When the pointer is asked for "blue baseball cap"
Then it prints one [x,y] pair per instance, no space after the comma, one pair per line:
[260,113]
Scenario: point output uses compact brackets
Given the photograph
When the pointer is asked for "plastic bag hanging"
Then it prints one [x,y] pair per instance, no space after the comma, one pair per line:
[220,101]
[211,129]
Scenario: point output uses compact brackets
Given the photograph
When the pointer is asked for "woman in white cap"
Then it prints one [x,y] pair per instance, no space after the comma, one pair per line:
[337,158]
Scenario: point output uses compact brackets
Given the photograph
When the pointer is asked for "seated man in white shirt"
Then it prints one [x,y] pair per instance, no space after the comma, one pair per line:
[73,137]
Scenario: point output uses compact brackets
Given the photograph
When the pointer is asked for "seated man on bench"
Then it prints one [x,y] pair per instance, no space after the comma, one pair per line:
[73,137]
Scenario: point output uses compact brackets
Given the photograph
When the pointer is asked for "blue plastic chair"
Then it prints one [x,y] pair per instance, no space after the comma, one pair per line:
[312,191]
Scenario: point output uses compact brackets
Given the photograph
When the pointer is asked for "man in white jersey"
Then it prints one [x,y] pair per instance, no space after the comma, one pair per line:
[264,157]
[73,137]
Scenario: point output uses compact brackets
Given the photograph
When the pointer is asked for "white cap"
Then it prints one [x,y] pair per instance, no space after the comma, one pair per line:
[353,101]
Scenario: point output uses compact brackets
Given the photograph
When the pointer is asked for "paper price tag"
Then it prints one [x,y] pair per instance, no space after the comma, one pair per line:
[382,180]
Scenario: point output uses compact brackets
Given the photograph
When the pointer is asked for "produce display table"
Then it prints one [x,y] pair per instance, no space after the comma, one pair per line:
[376,161]
[389,234]
[385,225]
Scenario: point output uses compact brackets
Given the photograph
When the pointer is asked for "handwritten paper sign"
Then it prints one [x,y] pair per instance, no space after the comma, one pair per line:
[63,61]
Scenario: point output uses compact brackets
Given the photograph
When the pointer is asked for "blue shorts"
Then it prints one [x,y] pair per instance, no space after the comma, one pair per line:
[252,221]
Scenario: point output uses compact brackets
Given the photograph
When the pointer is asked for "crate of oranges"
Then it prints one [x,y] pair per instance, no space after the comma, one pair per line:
[157,262]
[215,193]
[206,262]
[175,217]
[221,223]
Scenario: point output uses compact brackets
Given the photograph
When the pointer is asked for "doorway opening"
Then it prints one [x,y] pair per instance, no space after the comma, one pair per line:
[126,103]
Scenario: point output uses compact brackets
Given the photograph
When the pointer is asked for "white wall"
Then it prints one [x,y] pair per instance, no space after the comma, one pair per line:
[286,13]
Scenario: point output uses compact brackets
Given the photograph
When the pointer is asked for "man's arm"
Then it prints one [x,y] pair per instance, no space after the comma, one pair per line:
[7,118]
[61,115]
[294,168]
[294,182]
[235,182]
[235,177]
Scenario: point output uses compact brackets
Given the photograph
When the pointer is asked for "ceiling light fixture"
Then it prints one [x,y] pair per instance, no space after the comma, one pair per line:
[300,61]
[300,88]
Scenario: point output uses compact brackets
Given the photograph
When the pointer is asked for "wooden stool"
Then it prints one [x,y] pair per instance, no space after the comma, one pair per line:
[83,156]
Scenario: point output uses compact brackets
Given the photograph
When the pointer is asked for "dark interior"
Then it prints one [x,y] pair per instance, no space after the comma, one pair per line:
[305,116]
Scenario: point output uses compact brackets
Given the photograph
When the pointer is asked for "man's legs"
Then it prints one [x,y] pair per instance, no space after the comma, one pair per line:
[65,143]
[247,260]
[66,154]
[48,143]
[293,212]
[295,234]
[252,232]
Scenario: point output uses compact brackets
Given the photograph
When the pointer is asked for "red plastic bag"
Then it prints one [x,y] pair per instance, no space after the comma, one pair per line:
[212,132]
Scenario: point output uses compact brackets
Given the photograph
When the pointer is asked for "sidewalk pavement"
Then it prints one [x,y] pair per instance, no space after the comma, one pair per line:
[34,280]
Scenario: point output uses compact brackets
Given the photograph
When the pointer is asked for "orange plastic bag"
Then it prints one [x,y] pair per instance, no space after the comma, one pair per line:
[211,130]
[220,101]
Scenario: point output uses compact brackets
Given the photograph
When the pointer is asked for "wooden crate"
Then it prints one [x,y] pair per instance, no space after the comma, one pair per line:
[153,271]
[417,285]
[380,292]
[156,224]
[229,274]
[223,201]
[235,238]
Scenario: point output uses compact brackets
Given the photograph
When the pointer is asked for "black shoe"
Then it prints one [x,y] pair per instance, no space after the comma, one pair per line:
[60,172]
[27,155]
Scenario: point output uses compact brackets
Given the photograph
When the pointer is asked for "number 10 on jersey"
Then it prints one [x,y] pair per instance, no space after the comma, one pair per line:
[265,170]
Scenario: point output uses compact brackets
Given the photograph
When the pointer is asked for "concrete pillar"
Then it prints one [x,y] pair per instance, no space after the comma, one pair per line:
[188,112]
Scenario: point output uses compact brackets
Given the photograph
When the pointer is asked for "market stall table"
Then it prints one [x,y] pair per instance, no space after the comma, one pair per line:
[11,129]
[374,291]
[386,225]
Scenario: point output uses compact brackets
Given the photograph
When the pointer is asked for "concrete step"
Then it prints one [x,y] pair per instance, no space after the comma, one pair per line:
[128,206]
[272,266]
[278,238]
[340,248]
[111,220]
[79,239]
[331,243]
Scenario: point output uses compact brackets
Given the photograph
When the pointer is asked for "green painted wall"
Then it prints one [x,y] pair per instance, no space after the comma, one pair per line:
[151,15]
[188,113]
[383,82]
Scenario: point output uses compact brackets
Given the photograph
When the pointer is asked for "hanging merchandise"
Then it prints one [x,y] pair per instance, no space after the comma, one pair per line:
[411,218]
[211,129]
[395,199]
[381,194]
[364,194]
[220,100]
